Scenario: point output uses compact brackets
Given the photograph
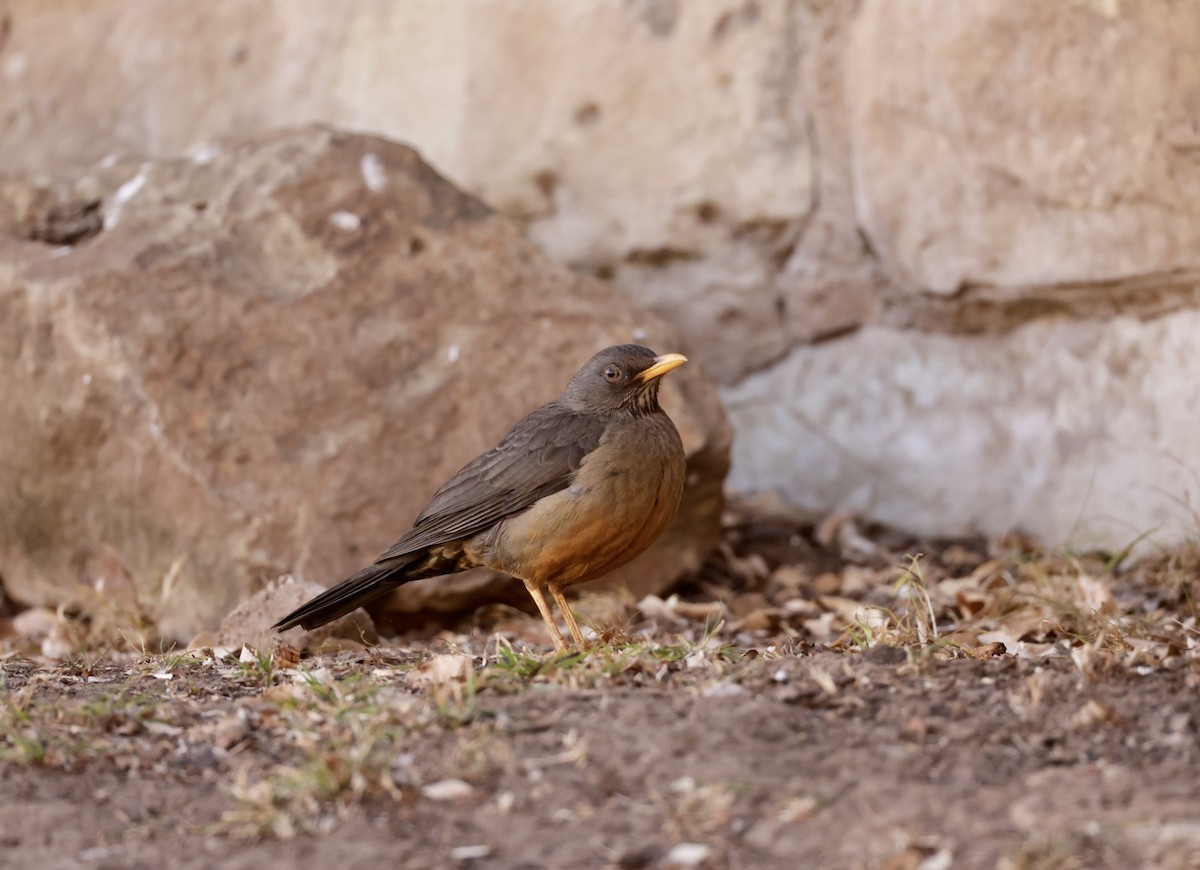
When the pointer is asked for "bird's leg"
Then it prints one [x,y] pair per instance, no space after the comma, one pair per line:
[535,592]
[572,625]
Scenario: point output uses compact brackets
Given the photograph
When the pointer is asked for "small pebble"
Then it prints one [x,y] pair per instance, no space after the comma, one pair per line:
[448,790]
[688,855]
[469,853]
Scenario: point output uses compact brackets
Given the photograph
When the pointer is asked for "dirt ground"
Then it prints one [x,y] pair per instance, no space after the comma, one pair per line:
[973,708]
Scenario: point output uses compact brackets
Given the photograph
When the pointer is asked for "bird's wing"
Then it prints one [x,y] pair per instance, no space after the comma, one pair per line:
[537,457]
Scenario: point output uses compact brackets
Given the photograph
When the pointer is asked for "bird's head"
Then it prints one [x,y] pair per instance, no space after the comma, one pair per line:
[623,378]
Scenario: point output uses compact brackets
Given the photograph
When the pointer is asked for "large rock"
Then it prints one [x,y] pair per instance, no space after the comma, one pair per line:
[1025,174]
[267,360]
[761,174]
[1082,432]
[668,144]
[1018,143]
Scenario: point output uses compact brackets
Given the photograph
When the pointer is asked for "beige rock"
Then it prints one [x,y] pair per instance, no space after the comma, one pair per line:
[50,632]
[269,360]
[1017,143]
[665,143]
[760,174]
[1084,432]
[250,623]
[442,669]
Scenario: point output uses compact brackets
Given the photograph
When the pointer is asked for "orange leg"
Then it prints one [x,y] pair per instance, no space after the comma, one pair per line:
[572,625]
[539,599]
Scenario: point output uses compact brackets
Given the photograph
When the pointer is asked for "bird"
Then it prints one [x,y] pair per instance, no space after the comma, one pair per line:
[575,489]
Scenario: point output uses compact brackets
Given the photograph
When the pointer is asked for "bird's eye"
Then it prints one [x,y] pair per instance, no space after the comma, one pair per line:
[612,374]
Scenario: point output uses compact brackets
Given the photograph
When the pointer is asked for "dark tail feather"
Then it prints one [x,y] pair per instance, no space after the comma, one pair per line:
[346,597]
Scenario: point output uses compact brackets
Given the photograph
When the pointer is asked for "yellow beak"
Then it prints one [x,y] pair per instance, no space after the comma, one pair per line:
[661,365]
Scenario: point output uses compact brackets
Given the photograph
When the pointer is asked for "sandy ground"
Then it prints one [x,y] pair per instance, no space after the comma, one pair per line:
[829,760]
[952,720]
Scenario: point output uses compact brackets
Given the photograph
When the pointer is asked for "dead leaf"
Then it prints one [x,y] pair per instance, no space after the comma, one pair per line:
[798,809]
[1095,713]
[766,619]
[826,531]
[229,732]
[970,603]
[788,579]
[441,670]
[1095,596]
[655,608]
[828,584]
[285,655]
[706,611]
[448,790]
[987,650]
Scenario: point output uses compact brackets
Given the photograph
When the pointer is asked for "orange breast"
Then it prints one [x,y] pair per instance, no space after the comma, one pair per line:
[625,494]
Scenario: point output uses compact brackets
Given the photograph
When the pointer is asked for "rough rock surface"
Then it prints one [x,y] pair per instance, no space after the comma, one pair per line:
[1017,144]
[267,361]
[252,621]
[1096,418]
[763,175]
[667,144]
[1025,175]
